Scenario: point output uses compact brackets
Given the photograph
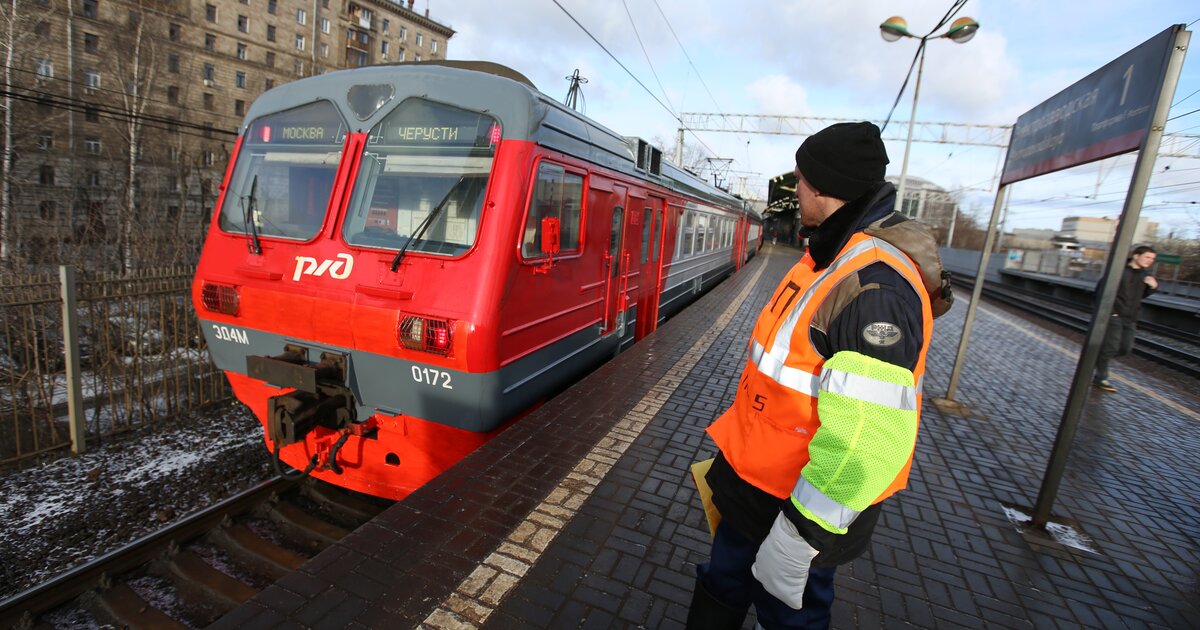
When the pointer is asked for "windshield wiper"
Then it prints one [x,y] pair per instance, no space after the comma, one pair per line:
[248,206]
[420,231]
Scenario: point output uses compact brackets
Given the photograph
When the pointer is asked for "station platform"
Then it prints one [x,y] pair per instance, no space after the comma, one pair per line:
[584,515]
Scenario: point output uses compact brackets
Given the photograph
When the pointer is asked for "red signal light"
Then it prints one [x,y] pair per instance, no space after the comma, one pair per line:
[425,334]
[494,135]
[266,133]
[220,298]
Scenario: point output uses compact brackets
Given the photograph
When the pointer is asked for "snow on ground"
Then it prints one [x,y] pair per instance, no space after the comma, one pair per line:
[56,515]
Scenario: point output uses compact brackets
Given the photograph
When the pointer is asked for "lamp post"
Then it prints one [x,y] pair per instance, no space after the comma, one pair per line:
[895,28]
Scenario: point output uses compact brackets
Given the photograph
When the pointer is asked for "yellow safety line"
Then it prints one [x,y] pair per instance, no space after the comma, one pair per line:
[478,596]
[1074,354]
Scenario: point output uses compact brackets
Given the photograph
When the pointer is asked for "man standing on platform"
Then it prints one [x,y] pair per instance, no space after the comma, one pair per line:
[1136,285]
[824,422]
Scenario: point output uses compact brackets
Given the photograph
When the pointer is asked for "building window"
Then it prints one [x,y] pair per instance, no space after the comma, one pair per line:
[46,141]
[403,33]
[433,46]
[91,8]
[271,7]
[270,61]
[239,107]
[268,84]
[48,210]
[174,32]
[299,42]
[239,79]
[400,56]
[91,114]
[208,100]
[301,16]
[324,4]
[173,154]
[45,68]
[386,24]
[94,179]
[91,144]
[91,80]
[133,17]
[383,49]
[270,32]
[324,50]
[243,24]
[210,42]
[91,42]
[210,12]
[417,57]
[241,51]
[325,25]
[46,175]
[173,63]
[209,158]
[420,39]
[210,72]
[173,94]
[298,68]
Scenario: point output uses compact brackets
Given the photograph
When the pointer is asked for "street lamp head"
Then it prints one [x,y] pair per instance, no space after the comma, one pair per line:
[894,28]
[962,30]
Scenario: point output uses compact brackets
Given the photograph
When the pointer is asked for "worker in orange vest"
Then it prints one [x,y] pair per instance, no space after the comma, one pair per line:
[824,421]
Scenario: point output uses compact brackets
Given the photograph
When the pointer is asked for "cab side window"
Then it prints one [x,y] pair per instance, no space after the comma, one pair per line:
[557,193]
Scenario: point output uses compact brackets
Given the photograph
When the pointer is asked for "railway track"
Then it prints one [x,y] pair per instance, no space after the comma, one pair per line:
[1176,349]
[197,569]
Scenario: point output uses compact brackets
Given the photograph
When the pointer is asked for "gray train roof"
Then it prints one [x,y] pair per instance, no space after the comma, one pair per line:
[524,112]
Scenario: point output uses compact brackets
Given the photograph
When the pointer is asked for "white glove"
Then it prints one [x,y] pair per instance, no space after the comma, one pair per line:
[782,563]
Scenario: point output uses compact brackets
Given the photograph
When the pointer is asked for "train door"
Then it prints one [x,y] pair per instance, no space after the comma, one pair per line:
[616,276]
[650,276]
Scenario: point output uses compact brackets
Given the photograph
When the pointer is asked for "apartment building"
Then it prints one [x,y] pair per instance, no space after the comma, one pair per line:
[124,112]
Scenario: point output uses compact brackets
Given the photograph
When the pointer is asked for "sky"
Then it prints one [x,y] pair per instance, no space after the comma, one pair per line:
[652,60]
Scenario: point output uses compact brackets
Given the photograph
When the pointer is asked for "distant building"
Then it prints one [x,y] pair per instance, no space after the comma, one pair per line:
[94,82]
[930,204]
[1098,232]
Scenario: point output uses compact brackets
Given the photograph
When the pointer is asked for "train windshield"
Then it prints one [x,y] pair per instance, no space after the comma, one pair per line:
[422,178]
[284,173]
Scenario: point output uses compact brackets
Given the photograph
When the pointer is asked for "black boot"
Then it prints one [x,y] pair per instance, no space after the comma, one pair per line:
[707,613]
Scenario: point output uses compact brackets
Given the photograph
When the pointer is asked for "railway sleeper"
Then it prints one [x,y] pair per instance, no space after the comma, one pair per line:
[302,526]
[121,604]
[255,552]
[352,507]
[206,589]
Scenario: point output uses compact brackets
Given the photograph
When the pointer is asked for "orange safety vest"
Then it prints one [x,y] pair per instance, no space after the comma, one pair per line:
[765,434]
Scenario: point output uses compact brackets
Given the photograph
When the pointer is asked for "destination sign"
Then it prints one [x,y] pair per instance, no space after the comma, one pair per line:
[317,123]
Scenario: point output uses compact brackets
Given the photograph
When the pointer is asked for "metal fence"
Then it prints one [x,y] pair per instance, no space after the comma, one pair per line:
[141,357]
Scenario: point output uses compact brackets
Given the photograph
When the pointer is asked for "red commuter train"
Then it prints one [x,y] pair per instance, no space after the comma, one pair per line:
[408,257]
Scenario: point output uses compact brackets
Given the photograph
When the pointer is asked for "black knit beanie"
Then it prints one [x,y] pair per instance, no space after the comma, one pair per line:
[844,160]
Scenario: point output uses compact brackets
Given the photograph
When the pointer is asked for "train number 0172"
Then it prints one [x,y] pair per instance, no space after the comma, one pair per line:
[437,378]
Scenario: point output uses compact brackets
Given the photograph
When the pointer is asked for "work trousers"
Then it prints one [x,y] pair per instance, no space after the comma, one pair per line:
[1118,341]
[727,577]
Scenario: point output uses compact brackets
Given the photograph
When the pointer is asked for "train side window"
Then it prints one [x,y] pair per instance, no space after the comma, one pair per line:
[657,234]
[284,173]
[556,193]
[614,240]
[645,235]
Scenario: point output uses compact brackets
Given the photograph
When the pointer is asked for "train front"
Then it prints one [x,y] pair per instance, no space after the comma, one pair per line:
[344,281]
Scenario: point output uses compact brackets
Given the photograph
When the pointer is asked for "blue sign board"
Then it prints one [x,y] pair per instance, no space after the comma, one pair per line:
[1105,114]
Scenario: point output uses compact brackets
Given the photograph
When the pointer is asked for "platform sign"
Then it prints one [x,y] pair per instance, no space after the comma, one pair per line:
[1105,114]
[1168,259]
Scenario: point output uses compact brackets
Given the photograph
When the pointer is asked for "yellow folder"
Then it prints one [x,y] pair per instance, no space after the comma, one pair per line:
[699,469]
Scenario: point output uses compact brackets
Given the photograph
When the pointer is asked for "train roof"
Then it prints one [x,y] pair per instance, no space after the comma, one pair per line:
[524,113]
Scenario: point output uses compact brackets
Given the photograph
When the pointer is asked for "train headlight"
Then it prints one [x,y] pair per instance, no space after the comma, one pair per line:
[220,298]
[425,334]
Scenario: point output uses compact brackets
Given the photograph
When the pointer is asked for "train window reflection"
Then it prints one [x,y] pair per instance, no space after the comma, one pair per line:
[425,163]
[284,173]
[557,194]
